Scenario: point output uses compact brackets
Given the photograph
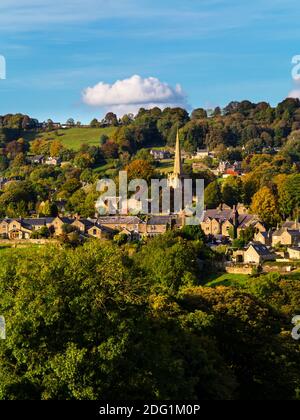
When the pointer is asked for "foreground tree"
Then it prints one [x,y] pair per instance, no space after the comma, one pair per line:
[81,325]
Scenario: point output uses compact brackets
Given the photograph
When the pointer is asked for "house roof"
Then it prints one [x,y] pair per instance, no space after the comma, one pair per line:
[260,248]
[292,232]
[119,220]
[218,214]
[244,220]
[38,221]
[86,222]
[264,234]
[159,220]
[37,157]
[289,224]
[66,220]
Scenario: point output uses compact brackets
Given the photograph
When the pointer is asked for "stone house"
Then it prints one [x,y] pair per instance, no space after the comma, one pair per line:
[286,236]
[258,253]
[221,222]
[264,238]
[294,252]
[158,225]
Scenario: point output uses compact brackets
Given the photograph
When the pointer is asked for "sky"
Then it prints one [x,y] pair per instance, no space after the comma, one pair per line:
[80,59]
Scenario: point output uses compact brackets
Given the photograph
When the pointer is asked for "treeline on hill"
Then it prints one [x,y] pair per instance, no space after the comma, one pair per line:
[131,322]
[238,124]
[253,126]
[265,139]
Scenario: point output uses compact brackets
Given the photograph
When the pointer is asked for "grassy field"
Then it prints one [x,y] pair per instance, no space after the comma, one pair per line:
[226,279]
[73,138]
[294,275]
[4,249]
[165,166]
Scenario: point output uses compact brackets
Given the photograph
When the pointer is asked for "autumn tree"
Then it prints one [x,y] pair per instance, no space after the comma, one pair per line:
[140,169]
[56,148]
[264,204]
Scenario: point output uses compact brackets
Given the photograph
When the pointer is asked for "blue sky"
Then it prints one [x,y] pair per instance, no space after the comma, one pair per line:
[217,51]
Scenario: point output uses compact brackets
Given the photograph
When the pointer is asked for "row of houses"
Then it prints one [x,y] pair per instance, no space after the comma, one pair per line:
[287,235]
[100,228]
[221,222]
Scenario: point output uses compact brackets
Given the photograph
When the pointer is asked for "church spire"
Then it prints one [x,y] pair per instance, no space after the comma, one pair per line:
[177,163]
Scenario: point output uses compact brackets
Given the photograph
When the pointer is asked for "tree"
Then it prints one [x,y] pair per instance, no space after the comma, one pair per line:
[94,123]
[140,169]
[56,148]
[212,195]
[43,232]
[289,196]
[264,204]
[199,114]
[193,233]
[143,349]
[232,191]
[243,325]
[83,160]
[170,262]
[71,122]
[111,119]
[48,209]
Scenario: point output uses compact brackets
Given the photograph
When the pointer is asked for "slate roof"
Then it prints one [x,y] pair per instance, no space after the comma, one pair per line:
[119,220]
[160,220]
[260,248]
[224,215]
[42,221]
[218,214]
[67,220]
[292,232]
[289,224]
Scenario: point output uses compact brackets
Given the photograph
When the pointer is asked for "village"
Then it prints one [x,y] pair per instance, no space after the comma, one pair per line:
[223,226]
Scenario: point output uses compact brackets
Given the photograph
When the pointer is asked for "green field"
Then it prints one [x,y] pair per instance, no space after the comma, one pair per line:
[227,279]
[3,249]
[165,166]
[73,138]
[6,249]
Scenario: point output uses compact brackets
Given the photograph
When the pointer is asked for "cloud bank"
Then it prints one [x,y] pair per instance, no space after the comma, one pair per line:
[129,95]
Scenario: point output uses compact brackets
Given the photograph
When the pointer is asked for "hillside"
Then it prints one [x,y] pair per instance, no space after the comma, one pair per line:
[73,138]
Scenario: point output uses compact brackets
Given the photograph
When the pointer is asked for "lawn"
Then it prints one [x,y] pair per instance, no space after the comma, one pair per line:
[3,249]
[226,279]
[73,138]
[294,275]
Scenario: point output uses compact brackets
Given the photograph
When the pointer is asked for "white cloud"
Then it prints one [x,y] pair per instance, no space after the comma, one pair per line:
[295,93]
[130,94]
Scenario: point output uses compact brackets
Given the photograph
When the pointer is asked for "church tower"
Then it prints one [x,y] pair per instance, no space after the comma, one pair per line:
[177,175]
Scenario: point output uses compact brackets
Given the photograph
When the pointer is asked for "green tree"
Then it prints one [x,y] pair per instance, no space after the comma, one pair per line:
[212,195]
